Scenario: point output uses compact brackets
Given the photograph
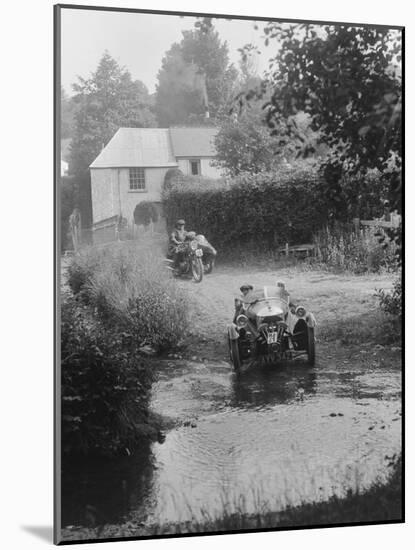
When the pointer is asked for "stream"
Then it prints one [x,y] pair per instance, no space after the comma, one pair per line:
[265,439]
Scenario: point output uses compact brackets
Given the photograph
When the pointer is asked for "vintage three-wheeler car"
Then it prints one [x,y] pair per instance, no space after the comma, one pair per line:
[268,328]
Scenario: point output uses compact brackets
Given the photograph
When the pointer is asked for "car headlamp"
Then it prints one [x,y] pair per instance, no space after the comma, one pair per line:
[300,311]
[242,321]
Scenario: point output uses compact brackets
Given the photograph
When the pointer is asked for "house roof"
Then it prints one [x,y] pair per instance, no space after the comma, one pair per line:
[149,147]
[193,142]
[129,147]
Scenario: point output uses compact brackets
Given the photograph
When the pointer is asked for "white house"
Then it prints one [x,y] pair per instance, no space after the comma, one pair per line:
[132,166]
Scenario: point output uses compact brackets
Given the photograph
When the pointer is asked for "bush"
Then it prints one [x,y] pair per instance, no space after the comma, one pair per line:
[145,212]
[391,302]
[257,212]
[130,287]
[172,177]
[105,386]
[81,270]
[340,247]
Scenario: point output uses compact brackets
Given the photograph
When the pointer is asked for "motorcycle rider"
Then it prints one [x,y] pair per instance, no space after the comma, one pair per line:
[177,237]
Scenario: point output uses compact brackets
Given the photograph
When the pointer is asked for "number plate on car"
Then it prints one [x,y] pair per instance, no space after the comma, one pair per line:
[199,252]
[272,338]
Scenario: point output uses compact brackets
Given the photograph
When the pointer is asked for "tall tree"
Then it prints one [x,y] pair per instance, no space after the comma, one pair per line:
[67,115]
[106,101]
[244,142]
[347,79]
[195,77]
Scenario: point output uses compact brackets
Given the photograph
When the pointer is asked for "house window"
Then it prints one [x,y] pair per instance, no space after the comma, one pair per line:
[137,179]
[195,167]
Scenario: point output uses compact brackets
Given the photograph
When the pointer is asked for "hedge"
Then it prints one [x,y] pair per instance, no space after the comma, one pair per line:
[261,211]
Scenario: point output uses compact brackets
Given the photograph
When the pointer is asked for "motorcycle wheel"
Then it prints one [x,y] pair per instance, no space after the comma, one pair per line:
[311,346]
[197,270]
[208,266]
[234,354]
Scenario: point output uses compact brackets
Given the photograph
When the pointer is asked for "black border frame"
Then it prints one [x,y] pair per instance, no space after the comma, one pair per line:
[57,8]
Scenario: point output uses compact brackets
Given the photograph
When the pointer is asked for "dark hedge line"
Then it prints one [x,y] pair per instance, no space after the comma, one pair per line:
[261,211]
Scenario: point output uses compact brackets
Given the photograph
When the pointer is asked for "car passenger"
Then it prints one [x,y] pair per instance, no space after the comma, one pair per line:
[245,289]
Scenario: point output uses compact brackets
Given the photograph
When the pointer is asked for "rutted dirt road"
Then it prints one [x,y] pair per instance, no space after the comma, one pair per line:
[330,297]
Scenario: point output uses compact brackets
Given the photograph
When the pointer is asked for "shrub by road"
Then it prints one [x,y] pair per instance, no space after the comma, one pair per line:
[122,305]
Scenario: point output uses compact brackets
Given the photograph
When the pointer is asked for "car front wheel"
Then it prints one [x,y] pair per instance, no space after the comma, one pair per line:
[234,354]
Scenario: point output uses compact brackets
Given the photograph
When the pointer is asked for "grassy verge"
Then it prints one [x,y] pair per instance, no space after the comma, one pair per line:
[373,327]
[122,307]
[341,248]
[127,284]
[382,502]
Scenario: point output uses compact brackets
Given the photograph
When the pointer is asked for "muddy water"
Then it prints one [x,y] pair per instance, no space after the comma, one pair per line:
[262,440]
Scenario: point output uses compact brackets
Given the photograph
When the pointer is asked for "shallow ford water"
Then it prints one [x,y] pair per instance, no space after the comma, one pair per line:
[267,438]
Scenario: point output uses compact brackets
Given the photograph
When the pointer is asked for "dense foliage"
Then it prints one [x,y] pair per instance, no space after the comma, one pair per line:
[341,247]
[244,144]
[131,288]
[105,385]
[68,109]
[172,177]
[145,212]
[121,308]
[347,79]
[259,211]
[391,302]
[195,77]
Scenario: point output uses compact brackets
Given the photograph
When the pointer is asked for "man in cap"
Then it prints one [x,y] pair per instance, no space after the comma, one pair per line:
[177,238]
[245,289]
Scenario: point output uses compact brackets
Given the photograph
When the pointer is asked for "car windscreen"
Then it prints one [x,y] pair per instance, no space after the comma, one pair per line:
[266,293]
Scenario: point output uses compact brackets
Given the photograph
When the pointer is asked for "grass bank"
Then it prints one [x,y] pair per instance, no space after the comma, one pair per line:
[382,502]
[122,307]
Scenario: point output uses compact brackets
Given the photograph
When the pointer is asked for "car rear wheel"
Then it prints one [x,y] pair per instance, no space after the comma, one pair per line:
[234,354]
[311,346]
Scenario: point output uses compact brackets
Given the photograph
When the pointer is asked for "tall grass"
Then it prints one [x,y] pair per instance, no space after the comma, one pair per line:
[130,286]
[342,248]
[381,502]
[122,302]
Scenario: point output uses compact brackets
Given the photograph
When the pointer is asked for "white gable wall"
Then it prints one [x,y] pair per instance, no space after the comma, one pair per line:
[207,170]
[129,199]
[103,194]
[110,188]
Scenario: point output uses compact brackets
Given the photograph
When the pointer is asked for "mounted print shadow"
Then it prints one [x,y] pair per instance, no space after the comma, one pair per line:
[229,290]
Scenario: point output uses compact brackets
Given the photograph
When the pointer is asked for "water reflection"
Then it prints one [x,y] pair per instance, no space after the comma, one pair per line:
[281,434]
[267,386]
[100,492]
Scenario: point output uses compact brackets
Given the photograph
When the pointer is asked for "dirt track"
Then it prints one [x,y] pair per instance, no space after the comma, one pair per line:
[329,296]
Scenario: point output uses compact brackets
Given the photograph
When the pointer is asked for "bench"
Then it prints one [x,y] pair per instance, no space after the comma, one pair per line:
[298,249]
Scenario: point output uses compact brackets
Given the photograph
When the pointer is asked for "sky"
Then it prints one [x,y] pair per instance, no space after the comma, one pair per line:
[139,41]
